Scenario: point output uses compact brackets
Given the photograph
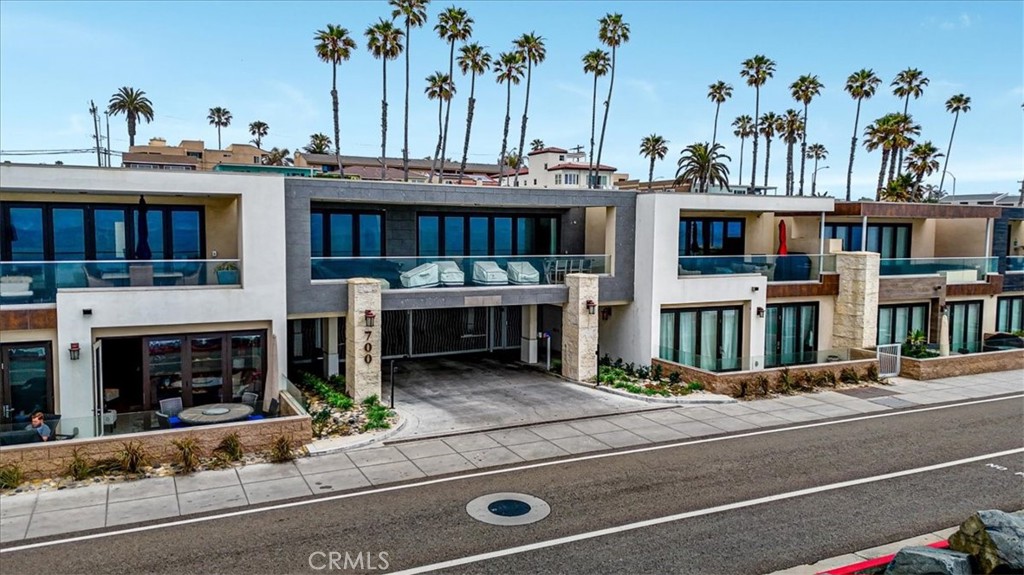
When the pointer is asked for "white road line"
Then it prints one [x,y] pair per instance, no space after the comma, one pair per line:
[542,464]
[698,513]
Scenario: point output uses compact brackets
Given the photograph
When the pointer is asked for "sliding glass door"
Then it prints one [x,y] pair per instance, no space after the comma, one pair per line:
[896,322]
[965,326]
[708,338]
[791,334]
[1010,314]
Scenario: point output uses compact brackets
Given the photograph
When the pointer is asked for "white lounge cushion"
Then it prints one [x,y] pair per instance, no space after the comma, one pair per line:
[489,273]
[422,276]
[15,286]
[522,273]
[450,274]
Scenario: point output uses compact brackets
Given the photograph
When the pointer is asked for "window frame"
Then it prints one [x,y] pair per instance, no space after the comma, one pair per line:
[490,217]
[326,212]
[1004,306]
[706,234]
[799,321]
[965,304]
[831,229]
[698,311]
[910,315]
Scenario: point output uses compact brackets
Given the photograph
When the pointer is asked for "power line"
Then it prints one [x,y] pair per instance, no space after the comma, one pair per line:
[52,152]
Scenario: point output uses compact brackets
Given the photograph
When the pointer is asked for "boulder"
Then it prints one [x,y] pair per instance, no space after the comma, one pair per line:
[929,561]
[995,540]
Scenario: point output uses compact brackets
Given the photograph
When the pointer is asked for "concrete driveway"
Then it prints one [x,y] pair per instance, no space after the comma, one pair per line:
[446,395]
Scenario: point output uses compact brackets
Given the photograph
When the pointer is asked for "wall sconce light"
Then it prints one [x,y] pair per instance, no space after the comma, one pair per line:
[74,351]
[606,313]
[760,312]
[937,288]
[368,317]
[755,288]
[591,306]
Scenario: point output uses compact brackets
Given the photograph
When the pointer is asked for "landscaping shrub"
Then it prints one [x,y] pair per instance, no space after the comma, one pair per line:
[657,372]
[916,346]
[189,453]
[785,381]
[643,372]
[695,386]
[322,422]
[806,381]
[674,377]
[229,448]
[281,450]
[762,384]
[871,374]
[132,457]
[630,368]
[743,388]
[849,376]
[331,393]
[556,366]
[11,476]
[821,379]
[618,362]
[605,360]
[79,467]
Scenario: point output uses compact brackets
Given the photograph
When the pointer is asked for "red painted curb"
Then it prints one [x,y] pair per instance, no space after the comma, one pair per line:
[872,563]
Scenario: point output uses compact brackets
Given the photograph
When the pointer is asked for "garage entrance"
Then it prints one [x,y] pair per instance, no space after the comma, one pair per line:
[433,332]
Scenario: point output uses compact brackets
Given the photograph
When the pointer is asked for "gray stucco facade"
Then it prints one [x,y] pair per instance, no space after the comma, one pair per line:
[401,202]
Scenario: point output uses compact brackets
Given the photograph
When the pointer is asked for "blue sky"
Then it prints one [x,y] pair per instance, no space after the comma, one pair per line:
[257,59]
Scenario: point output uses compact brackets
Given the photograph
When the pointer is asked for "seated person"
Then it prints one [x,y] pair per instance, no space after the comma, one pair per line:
[38,426]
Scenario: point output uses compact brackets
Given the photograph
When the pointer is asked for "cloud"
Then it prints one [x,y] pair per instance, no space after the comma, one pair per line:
[961,22]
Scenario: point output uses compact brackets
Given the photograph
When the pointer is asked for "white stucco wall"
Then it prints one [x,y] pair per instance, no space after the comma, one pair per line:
[260,302]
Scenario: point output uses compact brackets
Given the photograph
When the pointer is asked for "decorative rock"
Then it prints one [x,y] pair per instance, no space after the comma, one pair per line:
[927,560]
[994,539]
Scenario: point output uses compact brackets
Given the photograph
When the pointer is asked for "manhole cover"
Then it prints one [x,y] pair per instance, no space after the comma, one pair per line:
[508,509]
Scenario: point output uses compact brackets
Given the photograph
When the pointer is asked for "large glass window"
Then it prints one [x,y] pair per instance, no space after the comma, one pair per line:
[502,236]
[428,236]
[896,322]
[185,235]
[711,236]
[791,334]
[454,236]
[1010,314]
[708,338]
[889,240]
[69,234]
[110,234]
[346,233]
[155,227]
[23,234]
[342,239]
[479,235]
[371,234]
[965,326]
[316,235]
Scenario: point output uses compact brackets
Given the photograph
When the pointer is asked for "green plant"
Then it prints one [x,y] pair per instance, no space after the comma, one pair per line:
[79,467]
[618,362]
[830,378]
[132,457]
[371,400]
[916,346]
[657,372]
[695,386]
[674,377]
[605,360]
[328,391]
[643,372]
[763,385]
[227,267]
[821,379]
[1018,332]
[806,381]
[281,449]
[556,366]
[322,422]
[871,373]
[377,417]
[189,453]
[849,376]
[785,381]
[743,389]
[11,476]
[630,368]
[229,448]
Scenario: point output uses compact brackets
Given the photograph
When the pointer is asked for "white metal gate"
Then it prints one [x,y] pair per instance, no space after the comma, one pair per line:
[889,360]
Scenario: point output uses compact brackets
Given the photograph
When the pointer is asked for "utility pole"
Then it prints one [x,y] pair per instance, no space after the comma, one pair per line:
[1020,202]
[107,114]
[96,130]
[577,149]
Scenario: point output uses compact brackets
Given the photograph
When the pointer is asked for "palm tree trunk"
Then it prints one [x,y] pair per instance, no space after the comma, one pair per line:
[892,165]
[405,143]
[767,158]
[337,129]
[218,137]
[789,169]
[714,137]
[814,178]
[469,123]
[899,163]
[504,137]
[881,173]
[803,151]
[604,123]
[447,110]
[440,133]
[739,174]
[853,150]
[757,110]
[384,123]
[522,132]
[593,128]
[949,149]
[131,129]
[650,175]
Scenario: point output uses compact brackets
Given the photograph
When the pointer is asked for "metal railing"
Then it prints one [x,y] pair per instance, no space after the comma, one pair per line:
[411,272]
[38,282]
[777,268]
[956,270]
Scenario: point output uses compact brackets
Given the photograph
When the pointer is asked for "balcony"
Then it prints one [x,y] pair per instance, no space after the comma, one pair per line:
[956,270]
[777,268]
[38,282]
[1014,264]
[471,271]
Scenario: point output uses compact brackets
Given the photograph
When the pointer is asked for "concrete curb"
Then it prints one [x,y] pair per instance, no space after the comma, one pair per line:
[326,446]
[698,399]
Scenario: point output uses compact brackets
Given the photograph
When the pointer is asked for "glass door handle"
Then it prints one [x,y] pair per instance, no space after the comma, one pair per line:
[7,410]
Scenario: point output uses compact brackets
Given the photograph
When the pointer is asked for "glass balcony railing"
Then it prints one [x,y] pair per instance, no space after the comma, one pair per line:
[956,270]
[787,268]
[38,282]
[734,362]
[458,271]
[1014,264]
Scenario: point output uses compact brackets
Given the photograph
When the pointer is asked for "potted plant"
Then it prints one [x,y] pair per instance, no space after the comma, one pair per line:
[227,273]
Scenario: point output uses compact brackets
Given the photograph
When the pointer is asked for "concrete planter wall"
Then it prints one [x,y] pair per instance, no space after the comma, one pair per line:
[953,365]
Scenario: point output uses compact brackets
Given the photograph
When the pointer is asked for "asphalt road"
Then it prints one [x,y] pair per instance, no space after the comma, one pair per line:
[427,524]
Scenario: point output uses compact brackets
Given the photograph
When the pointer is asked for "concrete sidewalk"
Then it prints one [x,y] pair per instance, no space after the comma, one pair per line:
[30,515]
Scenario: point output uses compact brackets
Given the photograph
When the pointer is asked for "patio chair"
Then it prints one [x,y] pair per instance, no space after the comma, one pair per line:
[249,398]
[171,408]
[163,420]
[275,408]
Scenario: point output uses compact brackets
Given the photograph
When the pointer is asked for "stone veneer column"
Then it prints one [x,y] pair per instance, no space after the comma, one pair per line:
[579,329]
[855,322]
[362,343]
[528,345]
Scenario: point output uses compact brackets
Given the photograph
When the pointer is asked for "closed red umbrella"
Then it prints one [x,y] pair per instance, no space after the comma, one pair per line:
[782,238]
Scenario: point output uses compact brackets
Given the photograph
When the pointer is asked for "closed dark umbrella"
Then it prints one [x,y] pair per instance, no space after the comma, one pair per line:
[142,251]
[783,250]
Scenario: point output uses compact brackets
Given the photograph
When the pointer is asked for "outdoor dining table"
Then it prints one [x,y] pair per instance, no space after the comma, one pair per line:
[215,413]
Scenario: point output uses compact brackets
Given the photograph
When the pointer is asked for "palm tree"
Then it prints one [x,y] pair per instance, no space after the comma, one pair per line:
[596,62]
[258,130]
[792,131]
[718,93]
[453,24]
[770,124]
[744,129]
[531,48]
[512,158]
[815,152]
[922,161]
[536,144]
[909,82]
[277,157]
[876,135]
[703,166]
[384,41]
[653,147]
[900,189]
[335,46]
[860,85]
[955,105]
[509,70]
[473,60]
[804,89]
[319,143]
[414,14]
[757,70]
[613,33]
[220,117]
[903,128]
[134,105]
[441,88]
